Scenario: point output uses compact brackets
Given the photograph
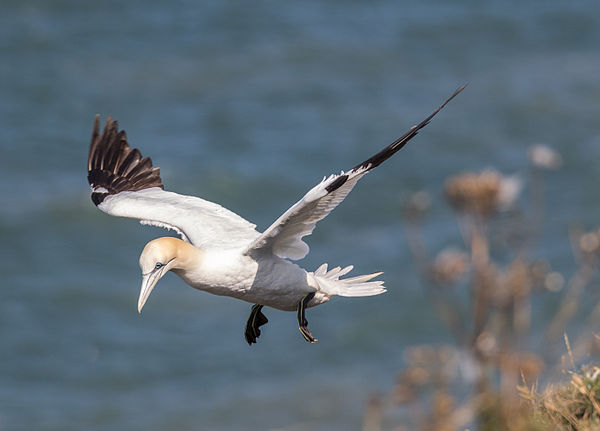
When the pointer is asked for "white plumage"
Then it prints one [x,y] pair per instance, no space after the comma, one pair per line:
[203,223]
[221,252]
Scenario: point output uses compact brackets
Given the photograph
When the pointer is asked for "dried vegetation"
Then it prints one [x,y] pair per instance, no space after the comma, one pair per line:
[483,290]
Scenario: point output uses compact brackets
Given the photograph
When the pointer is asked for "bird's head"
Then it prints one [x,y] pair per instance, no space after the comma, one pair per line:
[158,257]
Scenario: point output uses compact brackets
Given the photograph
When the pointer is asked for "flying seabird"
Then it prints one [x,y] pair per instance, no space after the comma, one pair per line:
[219,251]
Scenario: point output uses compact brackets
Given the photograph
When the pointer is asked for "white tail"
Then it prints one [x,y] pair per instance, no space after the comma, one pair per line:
[330,283]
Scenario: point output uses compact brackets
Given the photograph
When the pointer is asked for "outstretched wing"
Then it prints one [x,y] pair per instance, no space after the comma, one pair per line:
[125,184]
[284,237]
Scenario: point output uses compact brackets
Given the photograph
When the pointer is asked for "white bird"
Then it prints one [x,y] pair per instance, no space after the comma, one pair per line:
[220,252]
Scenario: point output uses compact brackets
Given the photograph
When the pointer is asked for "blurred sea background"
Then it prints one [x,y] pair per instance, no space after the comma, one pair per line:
[249,105]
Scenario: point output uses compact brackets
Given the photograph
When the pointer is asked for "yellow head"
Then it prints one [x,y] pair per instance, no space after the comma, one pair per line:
[158,257]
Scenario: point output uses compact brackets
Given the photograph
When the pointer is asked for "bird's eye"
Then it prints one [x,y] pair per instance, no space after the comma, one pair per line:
[158,265]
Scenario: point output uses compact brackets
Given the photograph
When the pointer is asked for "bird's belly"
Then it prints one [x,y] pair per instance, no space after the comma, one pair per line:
[284,297]
[280,284]
[272,282]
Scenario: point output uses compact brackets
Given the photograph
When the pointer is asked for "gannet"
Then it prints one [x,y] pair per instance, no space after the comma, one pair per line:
[220,252]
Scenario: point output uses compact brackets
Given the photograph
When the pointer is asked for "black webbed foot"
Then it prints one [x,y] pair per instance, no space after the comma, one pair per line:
[255,321]
[302,322]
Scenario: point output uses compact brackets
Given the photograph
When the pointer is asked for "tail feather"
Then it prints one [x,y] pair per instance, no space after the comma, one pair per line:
[331,284]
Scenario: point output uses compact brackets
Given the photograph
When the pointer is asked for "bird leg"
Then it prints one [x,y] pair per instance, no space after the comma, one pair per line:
[302,322]
[255,321]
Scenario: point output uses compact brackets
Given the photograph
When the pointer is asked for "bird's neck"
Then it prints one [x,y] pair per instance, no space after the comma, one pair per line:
[186,255]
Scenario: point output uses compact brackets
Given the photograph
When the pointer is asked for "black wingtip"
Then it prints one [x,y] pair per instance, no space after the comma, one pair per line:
[391,149]
[339,182]
[114,167]
[459,89]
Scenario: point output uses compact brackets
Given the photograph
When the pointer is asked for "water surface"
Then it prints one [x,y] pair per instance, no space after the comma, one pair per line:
[250,106]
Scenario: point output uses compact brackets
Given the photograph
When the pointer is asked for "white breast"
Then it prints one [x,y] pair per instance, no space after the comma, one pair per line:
[269,281]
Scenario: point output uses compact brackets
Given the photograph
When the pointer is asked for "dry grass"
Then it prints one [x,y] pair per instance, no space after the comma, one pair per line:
[574,405]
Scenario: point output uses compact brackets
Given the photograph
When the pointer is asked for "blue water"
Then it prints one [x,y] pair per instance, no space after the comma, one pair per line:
[249,105]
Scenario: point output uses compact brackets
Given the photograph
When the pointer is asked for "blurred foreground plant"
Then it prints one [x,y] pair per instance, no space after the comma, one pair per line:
[483,292]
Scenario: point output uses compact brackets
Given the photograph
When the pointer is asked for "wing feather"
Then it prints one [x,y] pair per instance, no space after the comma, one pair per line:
[284,237]
[126,185]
